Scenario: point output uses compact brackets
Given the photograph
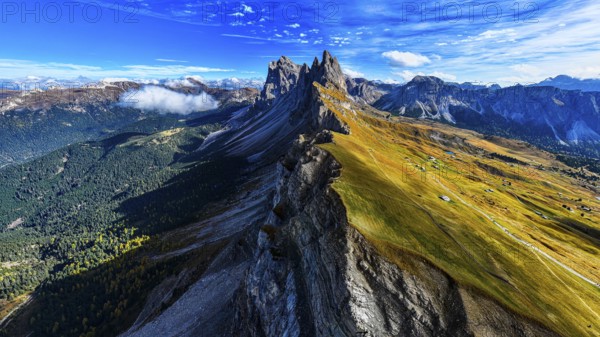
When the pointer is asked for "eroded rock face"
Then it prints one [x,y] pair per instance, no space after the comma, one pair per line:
[289,105]
[315,275]
[281,76]
[365,91]
[299,268]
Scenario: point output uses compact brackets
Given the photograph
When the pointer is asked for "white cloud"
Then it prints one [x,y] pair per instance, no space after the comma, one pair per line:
[523,74]
[501,33]
[405,59]
[351,72]
[166,71]
[117,79]
[526,69]
[171,60]
[585,72]
[294,25]
[10,68]
[246,37]
[408,75]
[162,100]
[182,82]
[389,81]
[247,9]
[339,41]
[443,76]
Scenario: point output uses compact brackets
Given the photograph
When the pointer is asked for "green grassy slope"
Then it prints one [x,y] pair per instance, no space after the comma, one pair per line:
[515,242]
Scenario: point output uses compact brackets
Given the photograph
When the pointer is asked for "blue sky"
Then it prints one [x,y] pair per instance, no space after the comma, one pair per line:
[503,41]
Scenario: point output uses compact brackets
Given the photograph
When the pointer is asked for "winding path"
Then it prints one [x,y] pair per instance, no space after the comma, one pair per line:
[521,241]
[502,228]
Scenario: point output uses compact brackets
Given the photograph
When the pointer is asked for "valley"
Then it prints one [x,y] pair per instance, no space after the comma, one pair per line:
[300,169]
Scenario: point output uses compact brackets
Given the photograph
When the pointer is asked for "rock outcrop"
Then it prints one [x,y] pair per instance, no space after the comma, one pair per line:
[289,105]
[298,268]
[282,75]
[315,275]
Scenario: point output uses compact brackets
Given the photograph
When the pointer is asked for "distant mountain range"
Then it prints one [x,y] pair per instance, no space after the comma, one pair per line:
[549,117]
[37,121]
[469,85]
[559,114]
[564,82]
[44,83]
[570,83]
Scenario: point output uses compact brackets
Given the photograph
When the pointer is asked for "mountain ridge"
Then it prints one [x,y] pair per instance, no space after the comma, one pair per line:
[571,83]
[562,120]
[334,224]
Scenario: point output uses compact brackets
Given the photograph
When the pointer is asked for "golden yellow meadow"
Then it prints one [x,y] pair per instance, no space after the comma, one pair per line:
[498,216]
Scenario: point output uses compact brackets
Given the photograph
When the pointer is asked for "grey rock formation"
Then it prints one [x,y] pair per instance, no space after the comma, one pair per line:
[315,275]
[365,91]
[281,76]
[282,112]
[297,267]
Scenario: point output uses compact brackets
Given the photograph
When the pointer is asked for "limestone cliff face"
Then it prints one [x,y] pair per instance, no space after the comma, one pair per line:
[289,105]
[295,266]
[281,76]
[365,91]
[315,275]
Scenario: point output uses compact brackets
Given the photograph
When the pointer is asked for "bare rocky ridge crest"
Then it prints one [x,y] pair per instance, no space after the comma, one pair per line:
[295,266]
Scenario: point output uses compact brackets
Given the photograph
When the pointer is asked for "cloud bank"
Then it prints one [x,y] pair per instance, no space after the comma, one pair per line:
[162,100]
[351,72]
[13,68]
[405,59]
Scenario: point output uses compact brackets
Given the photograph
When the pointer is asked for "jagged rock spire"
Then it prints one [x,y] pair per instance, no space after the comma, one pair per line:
[329,71]
[284,74]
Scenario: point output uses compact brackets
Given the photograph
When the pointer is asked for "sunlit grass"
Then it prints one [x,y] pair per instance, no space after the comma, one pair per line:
[391,188]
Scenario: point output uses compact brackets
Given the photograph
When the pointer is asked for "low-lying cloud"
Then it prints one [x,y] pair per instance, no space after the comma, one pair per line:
[162,100]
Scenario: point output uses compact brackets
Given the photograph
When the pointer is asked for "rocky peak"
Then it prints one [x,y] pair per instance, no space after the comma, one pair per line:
[328,71]
[365,91]
[289,105]
[283,74]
